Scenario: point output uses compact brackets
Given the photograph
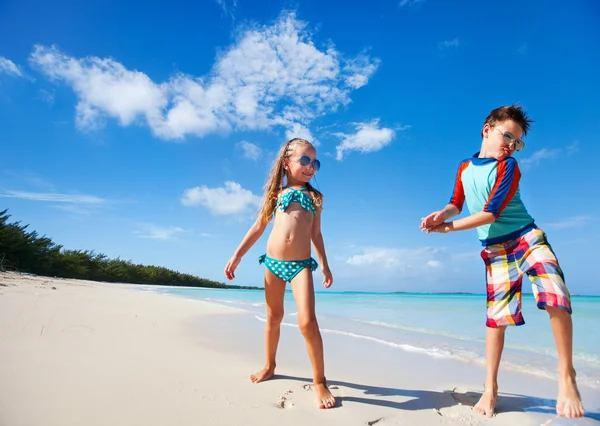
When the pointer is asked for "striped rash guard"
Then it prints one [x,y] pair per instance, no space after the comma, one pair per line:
[489,185]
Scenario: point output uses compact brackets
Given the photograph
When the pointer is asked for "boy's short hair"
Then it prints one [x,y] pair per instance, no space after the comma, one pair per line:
[513,112]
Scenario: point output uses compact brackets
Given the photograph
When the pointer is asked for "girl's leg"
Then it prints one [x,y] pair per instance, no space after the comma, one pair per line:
[304,294]
[274,292]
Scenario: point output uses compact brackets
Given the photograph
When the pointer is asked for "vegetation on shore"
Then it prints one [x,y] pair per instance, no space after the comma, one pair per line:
[22,250]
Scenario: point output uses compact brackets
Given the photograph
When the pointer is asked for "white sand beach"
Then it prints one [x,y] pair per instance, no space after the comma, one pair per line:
[84,353]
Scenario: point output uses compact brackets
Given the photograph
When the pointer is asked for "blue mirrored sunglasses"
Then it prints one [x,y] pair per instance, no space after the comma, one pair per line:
[306,161]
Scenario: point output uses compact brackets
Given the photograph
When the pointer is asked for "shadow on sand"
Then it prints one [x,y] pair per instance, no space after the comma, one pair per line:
[425,399]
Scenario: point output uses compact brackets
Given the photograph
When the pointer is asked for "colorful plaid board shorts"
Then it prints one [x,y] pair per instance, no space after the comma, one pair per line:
[505,265]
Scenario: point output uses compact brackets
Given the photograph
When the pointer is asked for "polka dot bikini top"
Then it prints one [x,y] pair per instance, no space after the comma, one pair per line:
[296,196]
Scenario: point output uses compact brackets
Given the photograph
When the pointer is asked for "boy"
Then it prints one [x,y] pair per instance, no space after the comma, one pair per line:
[513,246]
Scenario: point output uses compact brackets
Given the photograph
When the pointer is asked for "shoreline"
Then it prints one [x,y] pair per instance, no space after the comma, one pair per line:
[79,352]
[255,288]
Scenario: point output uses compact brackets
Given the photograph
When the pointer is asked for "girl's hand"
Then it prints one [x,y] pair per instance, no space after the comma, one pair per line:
[230,267]
[327,277]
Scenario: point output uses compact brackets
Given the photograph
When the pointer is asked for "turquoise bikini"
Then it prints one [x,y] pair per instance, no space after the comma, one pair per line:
[296,196]
[288,269]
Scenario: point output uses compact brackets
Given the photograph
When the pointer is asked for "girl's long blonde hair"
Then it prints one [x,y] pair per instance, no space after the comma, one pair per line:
[275,181]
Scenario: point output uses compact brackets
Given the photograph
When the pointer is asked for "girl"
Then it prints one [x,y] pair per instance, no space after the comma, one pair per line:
[296,209]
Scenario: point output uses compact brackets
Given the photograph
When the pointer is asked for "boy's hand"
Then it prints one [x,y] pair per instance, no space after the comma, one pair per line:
[230,267]
[327,277]
[442,228]
[433,219]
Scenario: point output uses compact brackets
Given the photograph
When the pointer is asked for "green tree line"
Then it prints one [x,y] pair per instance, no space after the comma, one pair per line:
[23,250]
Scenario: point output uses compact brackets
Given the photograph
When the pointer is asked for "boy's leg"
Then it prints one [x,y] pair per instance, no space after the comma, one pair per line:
[569,402]
[494,343]
[503,282]
[274,293]
[304,294]
[552,294]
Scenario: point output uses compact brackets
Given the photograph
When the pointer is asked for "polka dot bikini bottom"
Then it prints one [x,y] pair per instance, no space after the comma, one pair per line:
[287,269]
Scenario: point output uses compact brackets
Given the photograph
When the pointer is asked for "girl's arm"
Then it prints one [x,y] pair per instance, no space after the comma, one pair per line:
[253,234]
[319,245]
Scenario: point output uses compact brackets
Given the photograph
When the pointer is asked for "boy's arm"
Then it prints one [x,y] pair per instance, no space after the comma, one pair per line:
[319,245]
[469,222]
[450,211]
[507,184]
[436,218]
[453,208]
[253,234]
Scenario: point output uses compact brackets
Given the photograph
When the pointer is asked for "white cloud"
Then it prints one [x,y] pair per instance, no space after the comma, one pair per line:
[76,209]
[547,154]
[434,263]
[47,95]
[9,67]
[407,261]
[447,44]
[271,76]
[359,70]
[426,268]
[368,138]
[53,197]
[104,87]
[30,179]
[571,222]
[386,258]
[522,49]
[249,150]
[231,199]
[398,260]
[155,232]
[299,131]
[227,9]
[410,2]
[466,256]
[538,156]
[572,148]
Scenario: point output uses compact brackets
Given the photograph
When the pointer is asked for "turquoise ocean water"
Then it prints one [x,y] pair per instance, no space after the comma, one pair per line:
[436,325]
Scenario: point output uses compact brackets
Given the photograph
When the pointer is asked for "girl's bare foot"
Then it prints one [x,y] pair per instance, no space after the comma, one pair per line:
[569,403]
[487,402]
[262,375]
[324,398]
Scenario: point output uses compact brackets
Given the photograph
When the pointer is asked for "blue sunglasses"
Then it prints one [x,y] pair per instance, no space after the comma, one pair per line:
[306,161]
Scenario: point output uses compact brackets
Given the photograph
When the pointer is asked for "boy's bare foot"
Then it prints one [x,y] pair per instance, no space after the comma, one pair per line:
[262,375]
[487,402]
[569,403]
[324,398]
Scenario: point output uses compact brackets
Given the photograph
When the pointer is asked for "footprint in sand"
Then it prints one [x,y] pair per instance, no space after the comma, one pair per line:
[285,400]
[376,421]
[335,391]
[461,412]
[309,387]
[464,397]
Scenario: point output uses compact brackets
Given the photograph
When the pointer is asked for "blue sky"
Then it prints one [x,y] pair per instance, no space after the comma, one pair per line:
[147,131]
